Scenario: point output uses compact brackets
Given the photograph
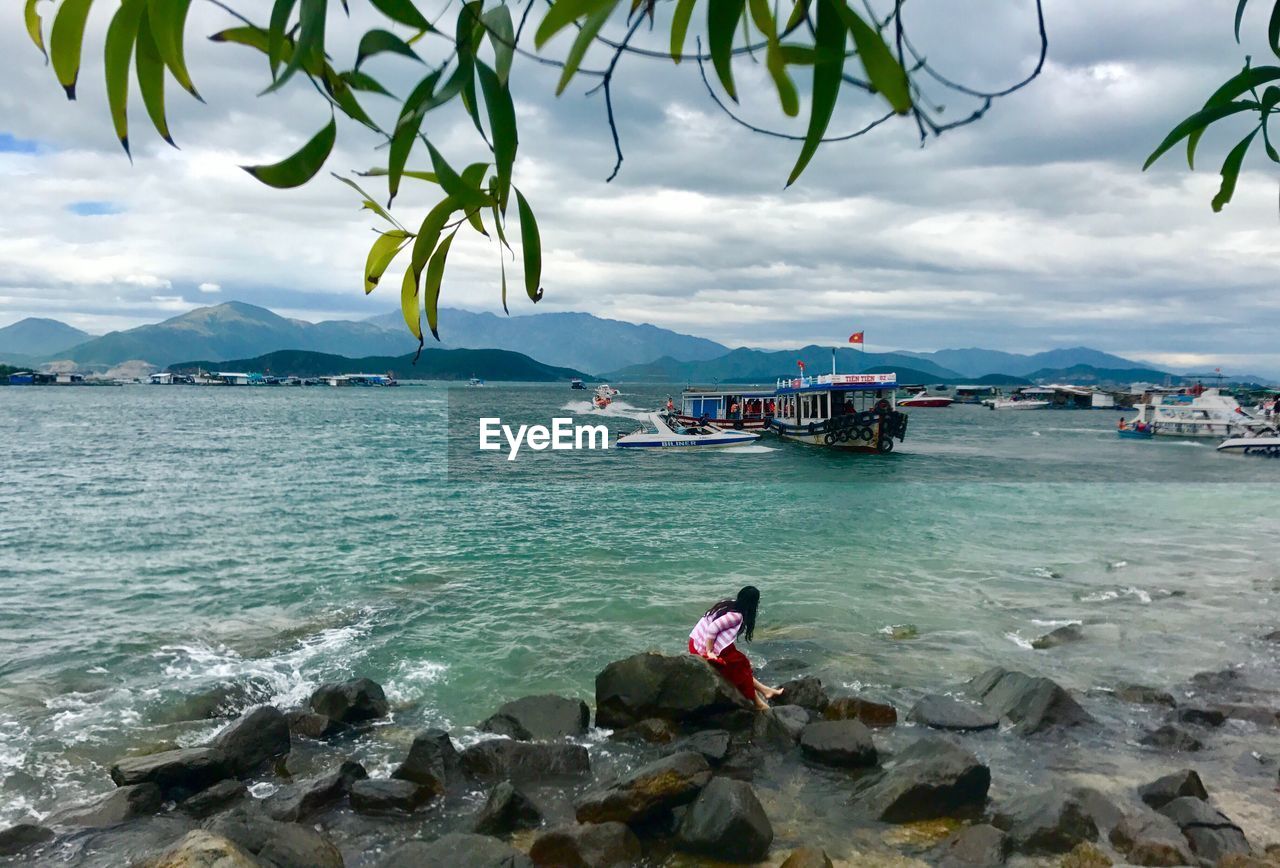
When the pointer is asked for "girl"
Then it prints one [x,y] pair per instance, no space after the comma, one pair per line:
[714,636]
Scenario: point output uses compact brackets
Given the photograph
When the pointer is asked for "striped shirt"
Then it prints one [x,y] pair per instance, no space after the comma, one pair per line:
[724,629]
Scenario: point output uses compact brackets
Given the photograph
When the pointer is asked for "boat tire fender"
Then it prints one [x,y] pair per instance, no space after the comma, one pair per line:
[885,446]
[844,435]
[829,438]
[864,433]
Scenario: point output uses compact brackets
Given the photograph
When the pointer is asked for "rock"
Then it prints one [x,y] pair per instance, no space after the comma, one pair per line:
[1170,737]
[947,712]
[807,692]
[792,718]
[726,821]
[308,724]
[1162,791]
[807,857]
[1086,855]
[351,701]
[213,799]
[432,761]
[1222,681]
[281,845]
[784,665]
[256,738]
[1273,636]
[519,761]
[682,689]
[651,730]
[1104,812]
[219,701]
[388,796]
[647,791]
[1211,717]
[589,845]
[867,711]
[1245,860]
[178,773]
[121,804]
[1061,636]
[1033,704]
[838,743]
[506,810]
[982,845]
[300,800]
[456,850]
[1151,839]
[932,778]
[1047,823]
[22,837]
[1210,833]
[713,744]
[1258,715]
[1139,694]
[201,849]
[540,717]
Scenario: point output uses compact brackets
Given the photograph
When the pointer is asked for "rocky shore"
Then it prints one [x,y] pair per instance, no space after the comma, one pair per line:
[691,776]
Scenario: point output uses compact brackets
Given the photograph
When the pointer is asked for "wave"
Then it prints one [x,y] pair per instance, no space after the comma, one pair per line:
[616,410]
[1119,593]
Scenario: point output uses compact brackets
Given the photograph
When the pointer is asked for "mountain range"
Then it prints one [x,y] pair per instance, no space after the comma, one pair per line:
[432,364]
[975,362]
[35,337]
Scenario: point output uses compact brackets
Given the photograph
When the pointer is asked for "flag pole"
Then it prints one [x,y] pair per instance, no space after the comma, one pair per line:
[833,361]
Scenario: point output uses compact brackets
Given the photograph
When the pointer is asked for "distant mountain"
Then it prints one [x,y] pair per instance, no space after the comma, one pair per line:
[36,336]
[758,366]
[433,364]
[1088,375]
[975,362]
[578,340]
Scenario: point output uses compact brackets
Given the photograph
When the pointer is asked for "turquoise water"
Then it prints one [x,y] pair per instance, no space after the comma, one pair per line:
[157,542]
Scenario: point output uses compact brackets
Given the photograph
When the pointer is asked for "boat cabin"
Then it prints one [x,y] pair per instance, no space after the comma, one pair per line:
[727,408]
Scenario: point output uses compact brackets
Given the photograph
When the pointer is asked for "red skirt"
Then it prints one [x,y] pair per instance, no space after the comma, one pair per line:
[736,669]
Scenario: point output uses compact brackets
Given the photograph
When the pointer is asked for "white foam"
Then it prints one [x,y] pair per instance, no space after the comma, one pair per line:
[410,681]
[1022,643]
[1050,622]
[1117,594]
[617,410]
[747,449]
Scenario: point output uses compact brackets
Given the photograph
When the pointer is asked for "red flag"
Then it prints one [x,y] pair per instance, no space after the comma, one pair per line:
[855,338]
[801,364]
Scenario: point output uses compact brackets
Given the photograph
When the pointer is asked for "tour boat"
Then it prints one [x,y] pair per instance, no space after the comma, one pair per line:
[924,399]
[1199,413]
[727,408]
[1263,446]
[846,411]
[667,432]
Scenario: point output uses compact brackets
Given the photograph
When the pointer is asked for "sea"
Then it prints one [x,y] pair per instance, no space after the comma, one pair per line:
[170,554]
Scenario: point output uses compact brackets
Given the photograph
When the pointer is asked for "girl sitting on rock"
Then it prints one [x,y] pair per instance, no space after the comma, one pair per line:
[714,639]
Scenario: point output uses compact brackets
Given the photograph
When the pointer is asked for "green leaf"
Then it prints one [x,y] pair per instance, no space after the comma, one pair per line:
[403,12]
[775,62]
[465,195]
[680,27]
[1240,83]
[168,21]
[31,15]
[473,176]
[590,29]
[381,254]
[1198,121]
[308,52]
[277,37]
[409,304]
[467,35]
[1273,30]
[830,35]
[531,248]
[563,13]
[502,34]
[342,95]
[117,54]
[1231,171]
[383,42]
[150,69]
[798,12]
[502,126]
[361,81]
[66,40]
[1270,99]
[406,131]
[797,55]
[722,22]
[429,233]
[883,70]
[301,167]
[1240,15]
[431,290]
[368,200]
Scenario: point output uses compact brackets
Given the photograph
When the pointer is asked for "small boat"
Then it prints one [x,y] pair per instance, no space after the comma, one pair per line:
[924,399]
[1135,431]
[576,384]
[667,432]
[1019,404]
[475,383]
[1262,446]
[603,396]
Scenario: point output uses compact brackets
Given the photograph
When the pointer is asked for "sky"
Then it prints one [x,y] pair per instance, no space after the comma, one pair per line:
[1034,228]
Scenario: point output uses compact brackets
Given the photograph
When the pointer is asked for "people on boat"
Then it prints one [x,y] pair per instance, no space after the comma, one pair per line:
[715,636]
[733,410]
[671,405]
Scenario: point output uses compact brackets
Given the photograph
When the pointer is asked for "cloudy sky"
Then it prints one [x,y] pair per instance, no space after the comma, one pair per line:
[1032,229]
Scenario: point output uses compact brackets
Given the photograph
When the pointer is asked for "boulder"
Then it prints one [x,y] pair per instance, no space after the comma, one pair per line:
[1047,823]
[651,730]
[979,846]
[1151,839]
[1061,636]
[1258,715]
[221,701]
[1033,704]
[931,779]
[1170,737]
[1086,855]
[22,837]
[1210,833]
[201,849]
[1273,636]
[807,857]
[783,665]
[108,809]
[432,761]
[388,796]
[519,761]
[254,739]
[946,712]
[713,744]
[178,773]
[351,701]
[308,724]
[456,850]
[540,717]
[682,689]
[1210,717]
[1223,681]
[648,791]
[506,810]
[1139,694]
[807,692]
[1162,791]
[869,712]
[300,800]
[792,718]
[838,743]
[213,799]
[281,845]
[726,821]
[587,845]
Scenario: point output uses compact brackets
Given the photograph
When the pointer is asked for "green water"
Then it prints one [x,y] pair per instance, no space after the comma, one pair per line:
[157,542]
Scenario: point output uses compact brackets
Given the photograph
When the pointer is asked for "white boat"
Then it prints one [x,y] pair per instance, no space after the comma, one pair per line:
[924,399]
[603,396]
[475,383]
[1200,413]
[667,433]
[1263,446]
[1019,404]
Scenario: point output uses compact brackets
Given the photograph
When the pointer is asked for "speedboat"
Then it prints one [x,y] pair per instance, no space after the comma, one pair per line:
[1263,446]
[1198,413]
[1019,404]
[475,383]
[666,433]
[575,383]
[924,399]
[603,396]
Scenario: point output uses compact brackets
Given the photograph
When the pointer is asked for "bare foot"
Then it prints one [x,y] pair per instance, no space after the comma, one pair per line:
[772,692]
[761,705]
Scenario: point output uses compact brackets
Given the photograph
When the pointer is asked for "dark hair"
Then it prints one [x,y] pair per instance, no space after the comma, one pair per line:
[747,602]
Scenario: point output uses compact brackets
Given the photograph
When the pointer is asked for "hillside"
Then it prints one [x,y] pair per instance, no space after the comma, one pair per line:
[757,366]
[434,364]
[1088,375]
[975,361]
[36,336]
